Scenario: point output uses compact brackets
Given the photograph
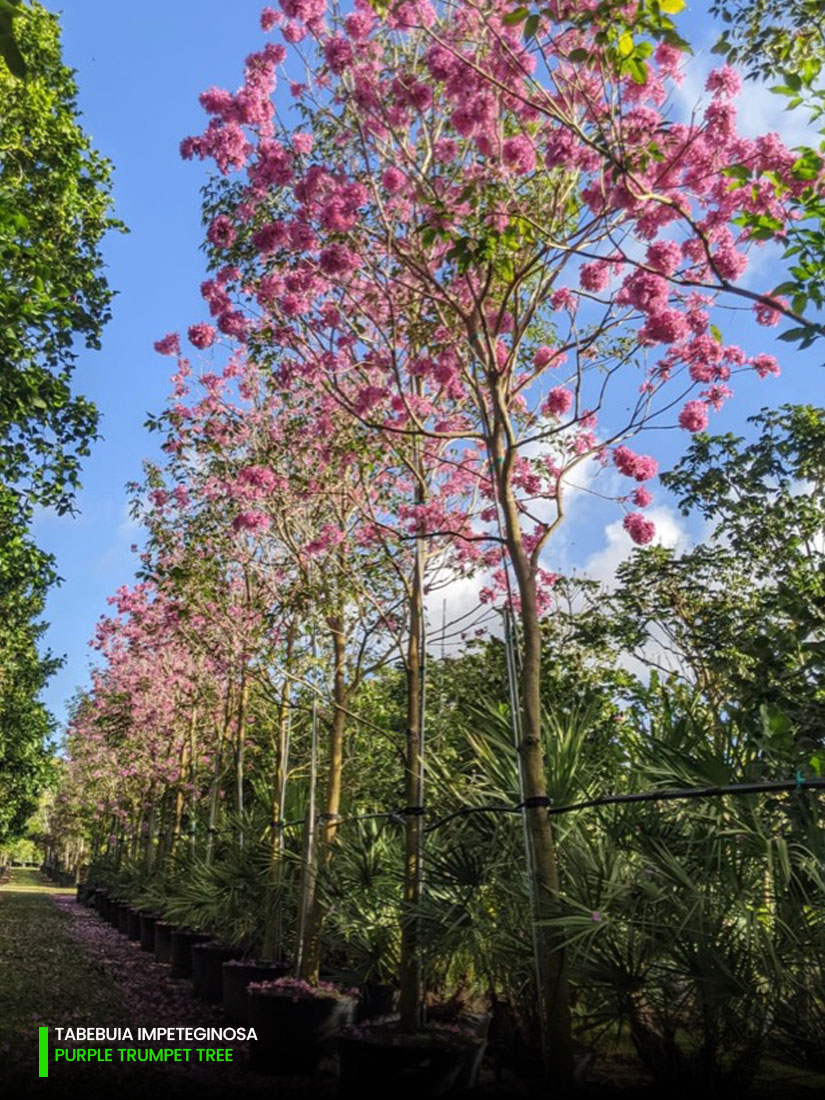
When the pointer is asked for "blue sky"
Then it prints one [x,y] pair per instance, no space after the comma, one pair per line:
[140,70]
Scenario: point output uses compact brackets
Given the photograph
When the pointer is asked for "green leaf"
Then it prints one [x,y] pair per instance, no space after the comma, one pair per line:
[10,52]
[738,172]
[637,70]
[626,44]
[531,25]
[791,335]
[514,17]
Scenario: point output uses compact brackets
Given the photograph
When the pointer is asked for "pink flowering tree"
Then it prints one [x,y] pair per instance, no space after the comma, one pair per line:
[500,246]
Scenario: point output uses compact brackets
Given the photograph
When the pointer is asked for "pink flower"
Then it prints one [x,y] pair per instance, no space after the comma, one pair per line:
[270,237]
[694,416]
[558,402]
[641,530]
[640,467]
[169,345]
[519,153]
[221,232]
[544,356]
[594,276]
[233,323]
[664,256]
[251,521]
[645,291]
[764,365]
[337,259]
[724,82]
[641,497]
[302,143]
[767,314]
[215,101]
[202,335]
[564,298]
[667,327]
[338,54]
[270,18]
[394,180]
[358,24]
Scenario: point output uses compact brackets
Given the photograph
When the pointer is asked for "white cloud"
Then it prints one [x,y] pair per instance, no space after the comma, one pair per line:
[602,565]
[759,111]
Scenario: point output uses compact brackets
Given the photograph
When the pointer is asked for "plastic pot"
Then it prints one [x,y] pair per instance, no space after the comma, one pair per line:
[163,941]
[236,977]
[294,1033]
[207,970]
[377,1000]
[147,931]
[180,957]
[388,1064]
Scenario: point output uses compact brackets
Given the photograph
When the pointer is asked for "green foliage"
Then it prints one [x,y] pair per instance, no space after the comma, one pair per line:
[760,582]
[9,49]
[783,41]
[25,765]
[54,210]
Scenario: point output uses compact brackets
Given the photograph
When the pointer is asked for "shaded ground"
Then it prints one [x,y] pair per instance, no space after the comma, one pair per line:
[61,966]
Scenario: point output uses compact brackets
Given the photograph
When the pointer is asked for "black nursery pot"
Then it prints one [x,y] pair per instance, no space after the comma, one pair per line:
[163,941]
[133,924]
[236,977]
[295,1033]
[207,970]
[180,958]
[377,1000]
[424,1065]
[147,931]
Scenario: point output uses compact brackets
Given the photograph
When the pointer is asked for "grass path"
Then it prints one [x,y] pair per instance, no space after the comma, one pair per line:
[61,966]
[44,979]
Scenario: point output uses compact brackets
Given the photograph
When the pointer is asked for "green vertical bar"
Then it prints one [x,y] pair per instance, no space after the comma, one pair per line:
[44,1052]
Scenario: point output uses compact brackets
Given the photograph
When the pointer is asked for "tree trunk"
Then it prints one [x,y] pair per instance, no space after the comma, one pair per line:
[272,946]
[410,999]
[240,746]
[551,962]
[223,735]
[329,824]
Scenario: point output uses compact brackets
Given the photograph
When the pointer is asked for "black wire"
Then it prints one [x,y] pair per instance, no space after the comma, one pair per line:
[672,795]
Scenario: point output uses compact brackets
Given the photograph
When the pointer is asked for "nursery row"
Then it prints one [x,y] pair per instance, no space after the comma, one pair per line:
[452,285]
[299,1028]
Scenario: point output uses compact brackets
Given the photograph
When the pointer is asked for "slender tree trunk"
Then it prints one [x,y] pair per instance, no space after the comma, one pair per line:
[410,968]
[240,747]
[551,961]
[193,793]
[272,947]
[332,808]
[216,778]
[177,820]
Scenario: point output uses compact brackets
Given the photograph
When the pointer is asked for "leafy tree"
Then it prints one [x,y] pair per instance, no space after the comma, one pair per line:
[784,42]
[25,575]
[765,498]
[54,210]
[9,50]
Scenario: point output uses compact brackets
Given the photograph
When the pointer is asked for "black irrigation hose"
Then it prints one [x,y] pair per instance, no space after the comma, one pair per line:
[798,784]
